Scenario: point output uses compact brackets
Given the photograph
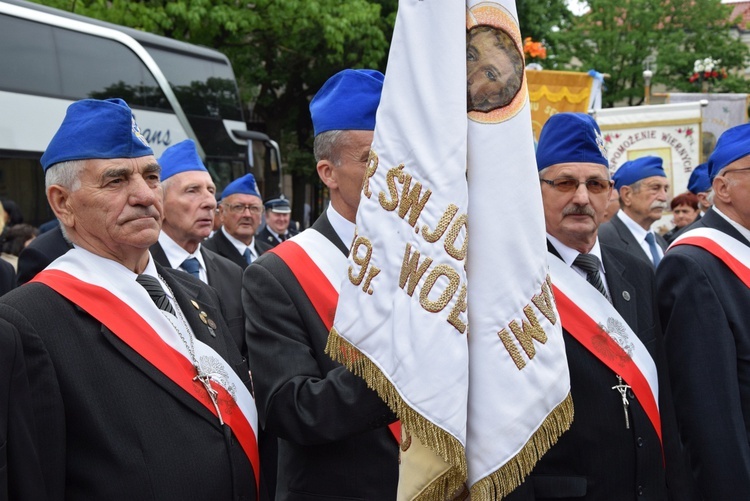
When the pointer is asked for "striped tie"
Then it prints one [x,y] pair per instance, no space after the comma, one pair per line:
[590,264]
[154,289]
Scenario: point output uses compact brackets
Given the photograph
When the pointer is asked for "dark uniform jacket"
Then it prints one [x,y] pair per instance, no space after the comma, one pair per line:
[600,458]
[705,310]
[40,253]
[334,443]
[224,276]
[615,234]
[221,245]
[20,470]
[266,236]
[112,426]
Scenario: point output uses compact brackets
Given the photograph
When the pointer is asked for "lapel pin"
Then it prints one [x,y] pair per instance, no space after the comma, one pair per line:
[626,295]
[194,303]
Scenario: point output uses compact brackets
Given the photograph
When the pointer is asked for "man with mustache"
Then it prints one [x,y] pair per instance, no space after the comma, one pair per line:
[137,388]
[703,297]
[643,186]
[613,449]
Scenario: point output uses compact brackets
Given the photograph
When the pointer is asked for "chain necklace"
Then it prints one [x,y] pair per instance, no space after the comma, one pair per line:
[201,375]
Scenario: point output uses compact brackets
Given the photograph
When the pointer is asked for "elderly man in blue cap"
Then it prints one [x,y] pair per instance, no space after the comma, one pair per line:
[334,439]
[703,290]
[699,185]
[642,185]
[189,206]
[278,219]
[132,368]
[613,449]
[240,211]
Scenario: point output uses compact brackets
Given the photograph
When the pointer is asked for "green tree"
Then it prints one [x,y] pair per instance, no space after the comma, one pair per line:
[282,51]
[618,37]
[542,20]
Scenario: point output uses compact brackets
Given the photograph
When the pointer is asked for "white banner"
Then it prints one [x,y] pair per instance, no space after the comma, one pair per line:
[489,403]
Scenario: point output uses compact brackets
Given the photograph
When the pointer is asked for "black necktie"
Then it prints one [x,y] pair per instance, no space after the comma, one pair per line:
[282,236]
[192,266]
[590,264]
[154,289]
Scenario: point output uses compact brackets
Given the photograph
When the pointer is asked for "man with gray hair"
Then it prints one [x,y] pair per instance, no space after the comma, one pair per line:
[137,388]
[642,185]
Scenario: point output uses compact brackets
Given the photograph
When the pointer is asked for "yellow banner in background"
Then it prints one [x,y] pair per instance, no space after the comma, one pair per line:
[553,92]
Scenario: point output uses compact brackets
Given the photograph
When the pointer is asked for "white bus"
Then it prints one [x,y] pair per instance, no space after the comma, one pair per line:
[51,58]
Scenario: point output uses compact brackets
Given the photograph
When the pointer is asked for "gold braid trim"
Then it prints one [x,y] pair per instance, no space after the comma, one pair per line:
[503,481]
[441,442]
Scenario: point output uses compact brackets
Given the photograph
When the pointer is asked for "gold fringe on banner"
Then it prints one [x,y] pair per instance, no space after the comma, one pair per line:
[441,442]
[503,481]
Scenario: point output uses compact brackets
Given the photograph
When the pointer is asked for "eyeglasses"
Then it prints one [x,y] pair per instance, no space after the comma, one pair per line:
[241,208]
[569,185]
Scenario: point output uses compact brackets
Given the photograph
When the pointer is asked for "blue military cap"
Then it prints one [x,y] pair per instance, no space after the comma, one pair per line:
[347,101]
[96,129]
[699,181]
[279,205]
[731,146]
[180,157]
[244,185]
[570,138]
[633,171]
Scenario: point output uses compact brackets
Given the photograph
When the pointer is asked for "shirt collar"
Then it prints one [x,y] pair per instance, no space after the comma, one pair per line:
[568,254]
[176,255]
[344,228]
[737,226]
[240,246]
[636,229]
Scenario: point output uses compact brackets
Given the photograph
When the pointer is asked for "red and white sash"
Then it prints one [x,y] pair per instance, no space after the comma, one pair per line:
[593,321]
[731,251]
[97,285]
[319,267]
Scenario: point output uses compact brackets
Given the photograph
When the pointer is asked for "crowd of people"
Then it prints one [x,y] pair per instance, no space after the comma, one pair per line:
[147,354]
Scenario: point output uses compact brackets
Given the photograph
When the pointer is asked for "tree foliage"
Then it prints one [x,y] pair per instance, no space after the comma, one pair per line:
[282,51]
[541,20]
[620,37]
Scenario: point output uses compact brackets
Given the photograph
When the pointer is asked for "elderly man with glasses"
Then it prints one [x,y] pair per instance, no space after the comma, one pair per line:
[240,212]
[613,449]
[704,304]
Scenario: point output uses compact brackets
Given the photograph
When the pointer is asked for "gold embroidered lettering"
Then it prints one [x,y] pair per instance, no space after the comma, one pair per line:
[461,221]
[433,236]
[544,301]
[411,201]
[362,261]
[515,355]
[411,270]
[458,308]
[441,270]
[396,173]
[372,166]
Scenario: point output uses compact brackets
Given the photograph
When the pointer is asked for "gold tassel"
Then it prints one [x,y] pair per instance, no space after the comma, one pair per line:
[503,481]
[442,443]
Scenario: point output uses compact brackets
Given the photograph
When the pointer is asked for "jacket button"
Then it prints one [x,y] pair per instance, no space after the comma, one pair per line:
[639,441]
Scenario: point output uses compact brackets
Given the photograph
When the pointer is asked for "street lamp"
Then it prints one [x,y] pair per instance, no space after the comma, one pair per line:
[647,74]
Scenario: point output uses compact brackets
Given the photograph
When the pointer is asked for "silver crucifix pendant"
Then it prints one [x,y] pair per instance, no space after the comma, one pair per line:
[623,389]
[205,379]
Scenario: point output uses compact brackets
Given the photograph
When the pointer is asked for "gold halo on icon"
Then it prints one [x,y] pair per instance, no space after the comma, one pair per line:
[497,16]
